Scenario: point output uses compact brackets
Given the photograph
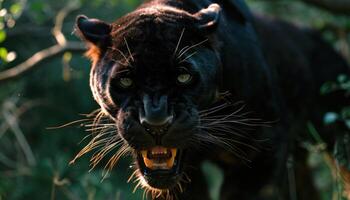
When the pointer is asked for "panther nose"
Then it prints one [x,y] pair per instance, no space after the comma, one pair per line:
[156,123]
[156,127]
[155,115]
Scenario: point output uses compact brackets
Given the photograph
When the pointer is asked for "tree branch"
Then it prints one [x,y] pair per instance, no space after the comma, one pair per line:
[39,57]
[335,6]
[61,46]
[13,123]
[59,19]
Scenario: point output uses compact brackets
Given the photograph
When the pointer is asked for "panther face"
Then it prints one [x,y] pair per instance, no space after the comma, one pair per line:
[153,71]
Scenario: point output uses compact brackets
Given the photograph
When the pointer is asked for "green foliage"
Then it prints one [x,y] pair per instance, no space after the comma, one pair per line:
[334,28]
[2,36]
[8,15]
[342,84]
[52,95]
[3,53]
[214,177]
[16,9]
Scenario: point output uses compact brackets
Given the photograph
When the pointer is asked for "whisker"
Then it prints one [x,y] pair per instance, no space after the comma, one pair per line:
[92,119]
[183,51]
[121,53]
[92,125]
[98,126]
[241,122]
[188,57]
[103,133]
[97,142]
[225,104]
[220,142]
[98,119]
[188,179]
[101,154]
[132,176]
[216,117]
[127,46]
[184,48]
[91,114]
[226,131]
[68,124]
[121,152]
[81,121]
[115,158]
[135,188]
[99,135]
[213,110]
[101,129]
[121,64]
[239,142]
[226,116]
[180,187]
[179,42]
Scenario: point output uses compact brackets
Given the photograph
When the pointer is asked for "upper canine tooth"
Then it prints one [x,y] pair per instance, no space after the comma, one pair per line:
[144,153]
[149,163]
[170,162]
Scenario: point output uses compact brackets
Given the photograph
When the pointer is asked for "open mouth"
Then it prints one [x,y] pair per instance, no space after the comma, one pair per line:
[159,158]
[160,166]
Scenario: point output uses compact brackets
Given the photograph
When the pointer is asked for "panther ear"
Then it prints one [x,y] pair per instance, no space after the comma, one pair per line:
[208,18]
[94,31]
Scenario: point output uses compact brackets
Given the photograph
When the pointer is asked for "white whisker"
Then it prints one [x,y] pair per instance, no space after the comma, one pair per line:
[179,42]
[127,46]
[183,51]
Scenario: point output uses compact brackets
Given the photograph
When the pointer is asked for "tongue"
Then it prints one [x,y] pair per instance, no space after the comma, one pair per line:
[159,157]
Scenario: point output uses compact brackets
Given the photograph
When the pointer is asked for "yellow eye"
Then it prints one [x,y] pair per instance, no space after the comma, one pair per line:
[184,78]
[125,82]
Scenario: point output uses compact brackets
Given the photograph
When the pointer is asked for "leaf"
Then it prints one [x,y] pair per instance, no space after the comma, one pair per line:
[345,86]
[328,87]
[3,53]
[16,9]
[342,78]
[2,35]
[67,57]
[347,123]
[37,6]
[214,177]
[345,113]
[330,118]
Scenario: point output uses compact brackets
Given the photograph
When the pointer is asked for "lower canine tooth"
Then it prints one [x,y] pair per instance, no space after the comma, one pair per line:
[170,161]
[148,162]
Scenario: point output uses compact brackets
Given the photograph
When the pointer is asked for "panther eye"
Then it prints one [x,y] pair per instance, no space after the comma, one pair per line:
[125,82]
[184,78]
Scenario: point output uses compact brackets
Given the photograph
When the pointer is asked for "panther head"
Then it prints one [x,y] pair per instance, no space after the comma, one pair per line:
[154,70]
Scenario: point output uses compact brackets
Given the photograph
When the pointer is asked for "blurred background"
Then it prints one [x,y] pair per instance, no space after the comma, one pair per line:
[44,83]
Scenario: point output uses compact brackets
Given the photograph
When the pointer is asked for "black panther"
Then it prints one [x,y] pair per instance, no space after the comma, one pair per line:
[186,81]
